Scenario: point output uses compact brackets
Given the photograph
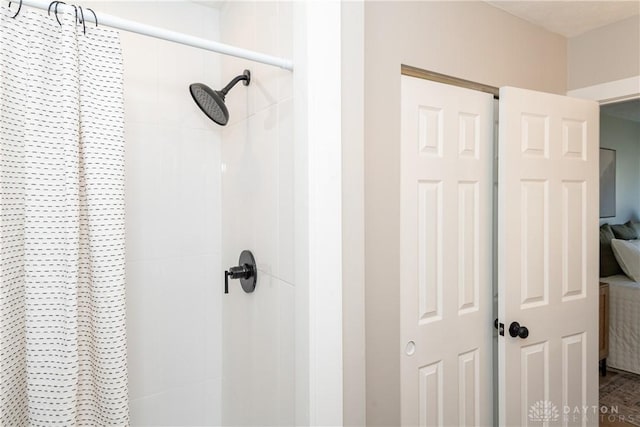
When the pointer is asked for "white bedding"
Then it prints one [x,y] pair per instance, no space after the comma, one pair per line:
[624,323]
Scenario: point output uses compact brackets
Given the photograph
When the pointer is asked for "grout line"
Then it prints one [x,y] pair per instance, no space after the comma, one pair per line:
[173,257]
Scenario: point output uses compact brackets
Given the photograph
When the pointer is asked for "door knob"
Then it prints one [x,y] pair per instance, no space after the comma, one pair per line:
[515,330]
[246,271]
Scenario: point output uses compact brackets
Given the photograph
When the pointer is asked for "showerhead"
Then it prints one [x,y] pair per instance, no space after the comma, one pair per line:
[211,102]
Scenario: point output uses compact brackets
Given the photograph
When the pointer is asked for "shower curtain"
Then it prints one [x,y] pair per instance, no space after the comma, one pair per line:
[62,296]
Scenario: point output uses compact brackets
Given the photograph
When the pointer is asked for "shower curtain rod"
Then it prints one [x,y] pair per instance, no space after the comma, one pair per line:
[164,34]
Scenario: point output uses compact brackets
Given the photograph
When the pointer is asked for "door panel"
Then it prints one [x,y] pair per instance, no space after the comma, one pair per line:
[548,257]
[446,230]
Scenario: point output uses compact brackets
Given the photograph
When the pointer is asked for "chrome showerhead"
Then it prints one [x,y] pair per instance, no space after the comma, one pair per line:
[211,102]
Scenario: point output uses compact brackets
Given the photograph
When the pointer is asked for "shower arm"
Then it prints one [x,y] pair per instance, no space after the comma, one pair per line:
[246,77]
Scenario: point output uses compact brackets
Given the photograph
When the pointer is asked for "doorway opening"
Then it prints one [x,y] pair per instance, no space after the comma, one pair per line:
[619,285]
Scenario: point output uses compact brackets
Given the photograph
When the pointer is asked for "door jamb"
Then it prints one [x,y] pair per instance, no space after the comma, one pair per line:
[610,92]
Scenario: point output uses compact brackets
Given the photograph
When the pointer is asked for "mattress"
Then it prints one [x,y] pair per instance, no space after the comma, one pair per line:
[624,323]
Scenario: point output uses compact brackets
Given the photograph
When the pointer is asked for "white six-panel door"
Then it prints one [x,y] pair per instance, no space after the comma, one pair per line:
[548,258]
[446,222]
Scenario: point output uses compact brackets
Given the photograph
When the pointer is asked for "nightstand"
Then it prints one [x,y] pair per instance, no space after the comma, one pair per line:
[604,327]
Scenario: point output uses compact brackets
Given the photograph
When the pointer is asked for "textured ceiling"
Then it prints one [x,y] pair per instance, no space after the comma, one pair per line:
[570,18]
[629,110]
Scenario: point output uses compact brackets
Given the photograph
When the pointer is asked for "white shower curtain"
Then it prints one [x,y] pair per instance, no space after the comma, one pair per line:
[62,296]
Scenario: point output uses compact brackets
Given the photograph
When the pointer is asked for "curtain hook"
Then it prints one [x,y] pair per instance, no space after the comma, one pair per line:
[19,7]
[75,12]
[95,17]
[55,10]
[84,26]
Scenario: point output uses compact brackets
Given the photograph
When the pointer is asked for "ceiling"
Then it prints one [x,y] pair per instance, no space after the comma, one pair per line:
[216,4]
[629,110]
[565,17]
[573,17]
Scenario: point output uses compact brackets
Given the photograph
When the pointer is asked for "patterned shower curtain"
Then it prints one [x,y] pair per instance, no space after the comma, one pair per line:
[62,296]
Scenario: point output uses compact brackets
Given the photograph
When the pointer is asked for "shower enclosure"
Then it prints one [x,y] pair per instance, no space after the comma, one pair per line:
[257,200]
[198,194]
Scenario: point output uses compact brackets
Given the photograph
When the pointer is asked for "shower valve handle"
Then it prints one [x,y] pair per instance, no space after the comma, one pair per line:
[239,272]
[247,272]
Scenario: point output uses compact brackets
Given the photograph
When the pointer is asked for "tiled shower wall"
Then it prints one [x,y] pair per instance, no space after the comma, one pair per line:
[258,214]
[173,235]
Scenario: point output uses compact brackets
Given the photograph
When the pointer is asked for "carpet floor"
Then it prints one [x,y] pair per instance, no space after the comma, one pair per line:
[620,390]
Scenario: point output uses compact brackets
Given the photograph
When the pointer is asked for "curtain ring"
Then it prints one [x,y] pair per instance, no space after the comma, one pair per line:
[94,16]
[19,7]
[55,10]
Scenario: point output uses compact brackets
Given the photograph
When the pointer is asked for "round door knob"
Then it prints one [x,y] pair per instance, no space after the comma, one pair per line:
[515,330]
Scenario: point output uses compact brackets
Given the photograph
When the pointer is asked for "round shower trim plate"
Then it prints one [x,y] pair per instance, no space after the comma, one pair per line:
[248,283]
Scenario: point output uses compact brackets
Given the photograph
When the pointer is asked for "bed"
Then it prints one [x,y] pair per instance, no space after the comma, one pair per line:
[624,323]
[620,268]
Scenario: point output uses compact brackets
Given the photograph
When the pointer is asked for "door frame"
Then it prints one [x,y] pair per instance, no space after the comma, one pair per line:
[610,92]
[606,93]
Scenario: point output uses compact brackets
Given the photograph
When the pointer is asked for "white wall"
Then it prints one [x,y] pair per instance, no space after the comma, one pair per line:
[173,234]
[604,54]
[258,214]
[624,137]
[470,40]
[353,294]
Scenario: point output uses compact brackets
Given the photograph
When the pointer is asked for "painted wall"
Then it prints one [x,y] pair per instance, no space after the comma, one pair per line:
[173,236]
[605,54]
[258,355]
[470,40]
[624,137]
[353,293]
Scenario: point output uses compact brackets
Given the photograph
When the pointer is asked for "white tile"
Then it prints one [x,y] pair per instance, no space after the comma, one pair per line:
[153,203]
[173,322]
[140,66]
[263,145]
[212,193]
[237,356]
[212,400]
[265,77]
[285,84]
[137,181]
[173,219]
[178,67]
[286,265]
[182,324]
[285,48]
[286,357]
[237,196]
[239,100]
[238,28]
[183,406]
[213,295]
[285,29]
[238,23]
[258,355]
[210,24]
[264,86]
[145,306]
[183,17]
[250,354]
[200,196]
